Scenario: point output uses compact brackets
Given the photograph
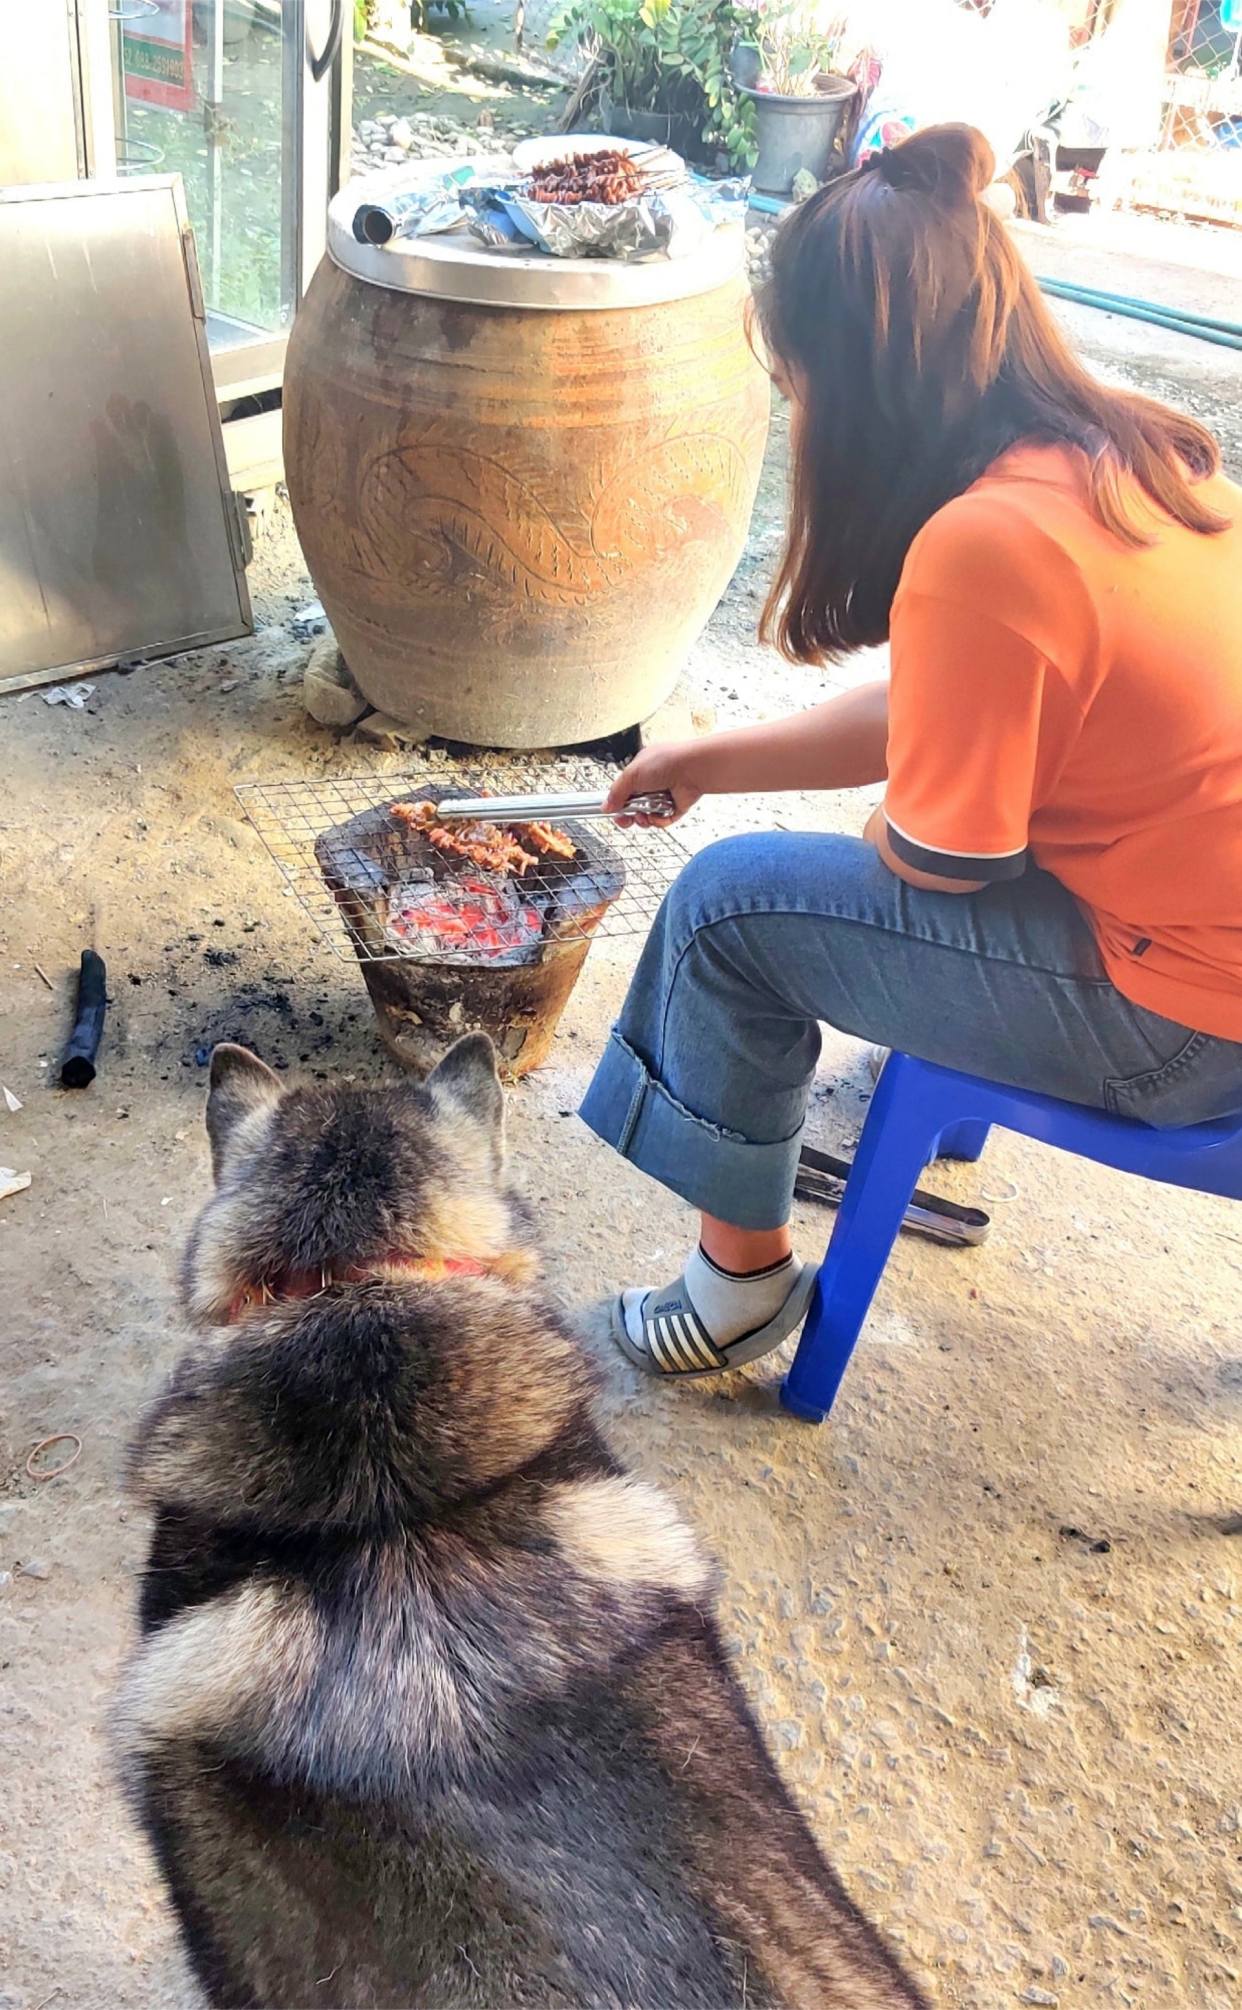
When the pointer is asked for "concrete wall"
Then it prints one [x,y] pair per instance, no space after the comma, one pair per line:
[38,135]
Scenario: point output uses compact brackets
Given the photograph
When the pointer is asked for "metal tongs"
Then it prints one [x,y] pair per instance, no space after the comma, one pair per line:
[822,1176]
[527,809]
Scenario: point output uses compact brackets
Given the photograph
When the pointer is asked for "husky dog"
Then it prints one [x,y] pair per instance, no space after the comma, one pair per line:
[430,1710]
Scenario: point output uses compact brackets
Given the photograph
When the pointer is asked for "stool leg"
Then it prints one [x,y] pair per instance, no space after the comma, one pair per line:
[892,1153]
[964,1141]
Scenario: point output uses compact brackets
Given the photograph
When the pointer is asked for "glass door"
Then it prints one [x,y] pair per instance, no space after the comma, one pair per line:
[237,97]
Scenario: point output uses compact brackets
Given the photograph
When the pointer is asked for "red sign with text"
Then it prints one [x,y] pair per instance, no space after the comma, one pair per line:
[158,49]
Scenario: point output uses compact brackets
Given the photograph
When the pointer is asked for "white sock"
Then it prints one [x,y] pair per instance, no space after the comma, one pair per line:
[728,1306]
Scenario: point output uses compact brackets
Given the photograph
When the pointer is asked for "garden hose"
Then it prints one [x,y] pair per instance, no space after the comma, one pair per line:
[1226,334]
[1204,327]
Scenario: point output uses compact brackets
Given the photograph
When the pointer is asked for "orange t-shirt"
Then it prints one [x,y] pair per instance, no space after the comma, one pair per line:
[1061,696]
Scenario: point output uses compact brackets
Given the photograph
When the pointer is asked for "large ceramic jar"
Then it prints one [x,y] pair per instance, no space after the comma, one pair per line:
[521,484]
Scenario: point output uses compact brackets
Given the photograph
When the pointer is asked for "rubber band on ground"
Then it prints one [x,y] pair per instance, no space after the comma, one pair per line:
[54,1472]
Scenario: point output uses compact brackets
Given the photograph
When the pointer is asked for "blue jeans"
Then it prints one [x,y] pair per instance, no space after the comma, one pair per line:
[705,1079]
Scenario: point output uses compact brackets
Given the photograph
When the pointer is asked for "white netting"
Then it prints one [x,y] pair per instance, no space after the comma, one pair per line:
[532,22]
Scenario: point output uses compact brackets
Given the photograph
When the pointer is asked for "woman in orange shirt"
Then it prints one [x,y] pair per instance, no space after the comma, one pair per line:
[1051,892]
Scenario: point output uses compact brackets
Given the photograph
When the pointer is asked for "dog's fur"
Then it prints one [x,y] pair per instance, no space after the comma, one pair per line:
[430,1708]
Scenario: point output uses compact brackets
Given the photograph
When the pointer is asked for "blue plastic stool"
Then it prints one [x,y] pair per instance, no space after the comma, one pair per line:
[920,1112]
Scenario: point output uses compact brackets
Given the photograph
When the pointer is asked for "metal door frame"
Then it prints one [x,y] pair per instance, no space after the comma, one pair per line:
[315,146]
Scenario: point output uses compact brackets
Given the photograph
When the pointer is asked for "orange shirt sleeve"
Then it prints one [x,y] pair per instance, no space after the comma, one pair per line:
[980,725]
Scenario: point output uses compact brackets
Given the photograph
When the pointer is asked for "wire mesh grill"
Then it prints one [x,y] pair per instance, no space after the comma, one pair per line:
[357,871]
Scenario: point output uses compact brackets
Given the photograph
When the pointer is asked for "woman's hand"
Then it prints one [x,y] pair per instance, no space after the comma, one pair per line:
[837,745]
[670,767]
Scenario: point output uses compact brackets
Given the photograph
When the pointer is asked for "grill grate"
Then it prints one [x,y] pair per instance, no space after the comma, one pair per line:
[292,817]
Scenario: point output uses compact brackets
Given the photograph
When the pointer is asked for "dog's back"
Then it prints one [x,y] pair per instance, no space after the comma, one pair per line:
[430,1708]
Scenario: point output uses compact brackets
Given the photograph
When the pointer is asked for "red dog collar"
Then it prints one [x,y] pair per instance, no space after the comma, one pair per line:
[299,1284]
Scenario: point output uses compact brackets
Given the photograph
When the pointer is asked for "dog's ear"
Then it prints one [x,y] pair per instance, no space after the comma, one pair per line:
[240,1084]
[465,1084]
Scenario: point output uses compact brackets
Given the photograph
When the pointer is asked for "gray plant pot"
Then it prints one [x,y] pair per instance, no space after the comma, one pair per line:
[746,65]
[798,133]
[664,129]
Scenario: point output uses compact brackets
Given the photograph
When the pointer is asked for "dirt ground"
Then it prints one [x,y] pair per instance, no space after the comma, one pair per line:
[986,1614]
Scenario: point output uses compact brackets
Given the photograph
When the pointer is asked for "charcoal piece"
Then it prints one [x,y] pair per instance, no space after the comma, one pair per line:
[77,1068]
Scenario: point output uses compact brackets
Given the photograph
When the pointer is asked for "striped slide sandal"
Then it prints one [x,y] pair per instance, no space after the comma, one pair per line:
[675,1341]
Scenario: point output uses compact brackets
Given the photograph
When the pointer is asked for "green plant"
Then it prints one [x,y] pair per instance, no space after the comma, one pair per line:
[797,42]
[671,57]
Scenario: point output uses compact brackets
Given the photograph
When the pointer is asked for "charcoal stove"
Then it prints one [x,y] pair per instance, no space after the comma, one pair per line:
[447,947]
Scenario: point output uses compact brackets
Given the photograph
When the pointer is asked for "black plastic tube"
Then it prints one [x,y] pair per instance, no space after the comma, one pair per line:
[77,1069]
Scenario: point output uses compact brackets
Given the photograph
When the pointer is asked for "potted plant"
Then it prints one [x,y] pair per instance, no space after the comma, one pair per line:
[661,71]
[785,64]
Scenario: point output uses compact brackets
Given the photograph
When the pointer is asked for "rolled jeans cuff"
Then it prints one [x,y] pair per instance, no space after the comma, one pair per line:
[717,1171]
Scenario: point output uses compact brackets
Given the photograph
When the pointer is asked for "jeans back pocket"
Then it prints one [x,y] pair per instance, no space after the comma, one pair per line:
[1202,1079]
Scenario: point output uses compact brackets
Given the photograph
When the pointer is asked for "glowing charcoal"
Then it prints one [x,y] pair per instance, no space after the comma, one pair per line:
[465,918]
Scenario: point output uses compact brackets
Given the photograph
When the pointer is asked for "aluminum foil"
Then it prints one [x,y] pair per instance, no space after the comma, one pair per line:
[424,209]
[668,223]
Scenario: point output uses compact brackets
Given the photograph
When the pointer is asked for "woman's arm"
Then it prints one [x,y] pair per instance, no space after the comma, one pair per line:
[837,745]
[840,744]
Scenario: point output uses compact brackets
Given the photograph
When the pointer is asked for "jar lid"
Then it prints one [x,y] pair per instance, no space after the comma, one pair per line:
[458,267]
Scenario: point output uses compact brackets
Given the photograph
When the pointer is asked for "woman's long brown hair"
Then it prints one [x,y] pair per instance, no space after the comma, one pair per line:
[920,348]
